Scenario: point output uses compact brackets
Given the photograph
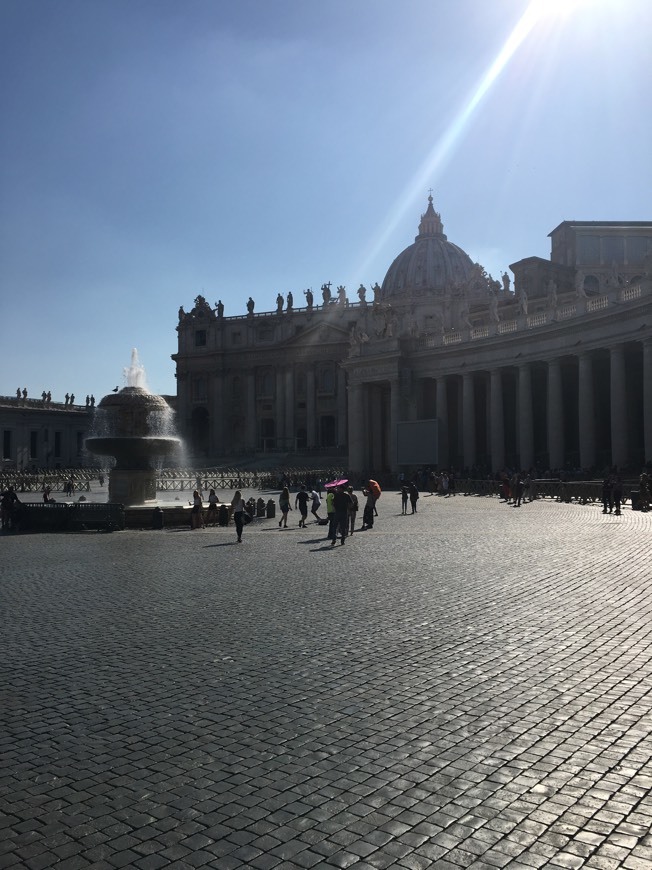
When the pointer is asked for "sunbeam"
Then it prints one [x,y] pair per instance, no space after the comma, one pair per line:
[431,168]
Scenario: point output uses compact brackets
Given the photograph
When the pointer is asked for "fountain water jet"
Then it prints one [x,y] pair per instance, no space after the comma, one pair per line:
[134,426]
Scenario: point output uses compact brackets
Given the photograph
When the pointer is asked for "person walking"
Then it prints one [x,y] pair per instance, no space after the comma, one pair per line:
[607,504]
[341,505]
[353,509]
[238,506]
[330,513]
[301,501]
[316,504]
[284,505]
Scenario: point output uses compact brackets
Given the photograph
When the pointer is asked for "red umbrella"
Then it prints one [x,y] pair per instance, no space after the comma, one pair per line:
[341,482]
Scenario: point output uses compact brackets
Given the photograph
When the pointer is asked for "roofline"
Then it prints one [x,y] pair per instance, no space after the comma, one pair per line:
[605,224]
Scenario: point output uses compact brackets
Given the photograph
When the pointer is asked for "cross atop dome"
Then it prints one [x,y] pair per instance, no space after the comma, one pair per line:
[430,224]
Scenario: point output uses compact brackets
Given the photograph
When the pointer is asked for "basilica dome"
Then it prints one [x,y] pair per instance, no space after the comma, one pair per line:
[432,265]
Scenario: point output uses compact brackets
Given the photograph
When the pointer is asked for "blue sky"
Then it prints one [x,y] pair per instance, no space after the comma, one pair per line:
[154,150]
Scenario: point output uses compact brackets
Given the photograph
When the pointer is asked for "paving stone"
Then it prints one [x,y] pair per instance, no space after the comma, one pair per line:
[470,689]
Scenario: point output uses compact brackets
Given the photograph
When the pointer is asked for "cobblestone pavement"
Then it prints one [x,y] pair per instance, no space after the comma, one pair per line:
[467,687]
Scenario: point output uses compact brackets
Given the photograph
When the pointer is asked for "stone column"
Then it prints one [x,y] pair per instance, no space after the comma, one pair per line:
[468,420]
[555,416]
[311,421]
[342,424]
[586,411]
[280,409]
[394,419]
[250,434]
[647,398]
[442,417]
[289,410]
[376,425]
[525,422]
[497,423]
[356,394]
[217,415]
[618,406]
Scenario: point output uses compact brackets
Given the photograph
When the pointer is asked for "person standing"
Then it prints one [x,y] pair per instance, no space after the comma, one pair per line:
[368,513]
[617,493]
[238,506]
[301,501]
[284,505]
[196,517]
[414,496]
[404,499]
[8,504]
[213,502]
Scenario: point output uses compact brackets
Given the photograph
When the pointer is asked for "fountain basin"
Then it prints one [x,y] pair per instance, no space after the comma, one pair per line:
[133,426]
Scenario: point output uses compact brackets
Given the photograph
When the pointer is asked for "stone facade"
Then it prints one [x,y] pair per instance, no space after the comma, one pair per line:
[555,372]
[38,433]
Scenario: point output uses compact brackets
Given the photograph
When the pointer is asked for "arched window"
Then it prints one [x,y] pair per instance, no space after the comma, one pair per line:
[591,285]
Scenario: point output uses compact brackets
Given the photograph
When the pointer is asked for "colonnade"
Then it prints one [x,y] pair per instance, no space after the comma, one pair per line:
[584,410]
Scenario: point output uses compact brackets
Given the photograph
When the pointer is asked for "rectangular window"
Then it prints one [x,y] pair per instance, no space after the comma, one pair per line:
[588,250]
[613,250]
[236,338]
[57,444]
[637,248]
[80,443]
[6,444]
[33,445]
[200,338]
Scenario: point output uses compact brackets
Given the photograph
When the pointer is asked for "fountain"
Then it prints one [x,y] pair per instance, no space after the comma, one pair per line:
[134,426]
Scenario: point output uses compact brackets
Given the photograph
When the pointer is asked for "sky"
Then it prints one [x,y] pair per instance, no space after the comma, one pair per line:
[155,150]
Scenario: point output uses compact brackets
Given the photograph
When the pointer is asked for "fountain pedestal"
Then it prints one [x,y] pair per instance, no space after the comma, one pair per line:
[132,487]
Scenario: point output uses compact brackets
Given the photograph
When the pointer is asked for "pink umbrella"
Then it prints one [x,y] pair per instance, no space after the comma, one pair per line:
[341,482]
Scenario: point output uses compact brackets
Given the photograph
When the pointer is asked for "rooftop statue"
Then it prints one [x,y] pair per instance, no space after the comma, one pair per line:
[250,305]
[309,298]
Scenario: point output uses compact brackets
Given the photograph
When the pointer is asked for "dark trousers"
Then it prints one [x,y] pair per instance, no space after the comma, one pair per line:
[237,519]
